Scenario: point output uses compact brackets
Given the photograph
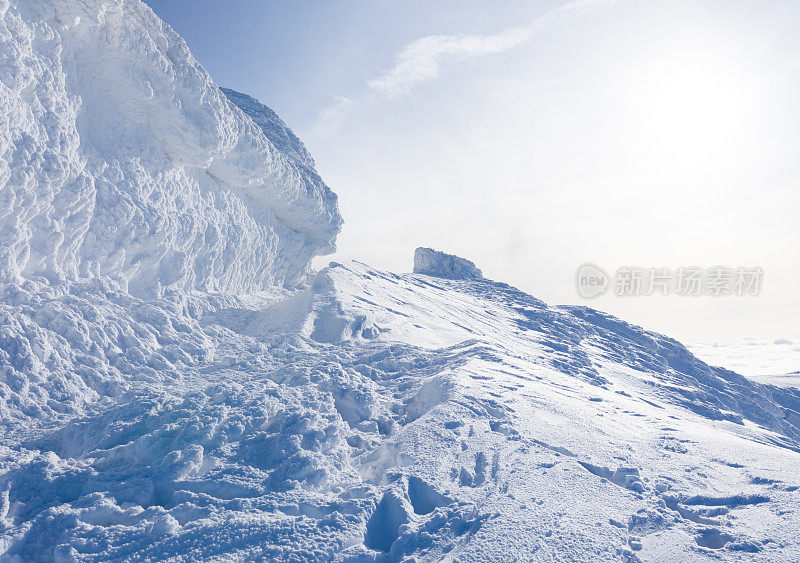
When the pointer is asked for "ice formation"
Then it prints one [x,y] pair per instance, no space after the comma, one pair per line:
[442,265]
[122,159]
[173,387]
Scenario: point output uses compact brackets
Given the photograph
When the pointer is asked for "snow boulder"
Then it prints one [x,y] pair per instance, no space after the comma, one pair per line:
[441,265]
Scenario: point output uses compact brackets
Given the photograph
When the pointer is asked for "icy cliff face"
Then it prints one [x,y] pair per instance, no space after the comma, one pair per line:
[122,159]
[134,199]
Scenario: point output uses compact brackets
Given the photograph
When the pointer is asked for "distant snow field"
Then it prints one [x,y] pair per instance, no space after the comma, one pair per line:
[775,361]
[176,384]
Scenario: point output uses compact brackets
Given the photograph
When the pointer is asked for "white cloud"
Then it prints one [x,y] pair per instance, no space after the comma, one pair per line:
[330,118]
[420,60]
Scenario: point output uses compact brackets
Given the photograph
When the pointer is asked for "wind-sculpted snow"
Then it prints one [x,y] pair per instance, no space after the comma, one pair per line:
[122,159]
[273,127]
[377,416]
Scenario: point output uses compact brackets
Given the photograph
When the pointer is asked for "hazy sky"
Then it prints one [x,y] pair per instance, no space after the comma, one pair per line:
[532,137]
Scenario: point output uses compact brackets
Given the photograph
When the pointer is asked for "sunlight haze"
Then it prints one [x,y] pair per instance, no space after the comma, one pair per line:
[544,135]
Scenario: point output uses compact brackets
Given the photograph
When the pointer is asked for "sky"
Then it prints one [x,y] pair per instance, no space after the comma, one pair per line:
[533,137]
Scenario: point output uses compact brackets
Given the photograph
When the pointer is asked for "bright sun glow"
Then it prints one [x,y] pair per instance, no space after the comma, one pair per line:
[695,105]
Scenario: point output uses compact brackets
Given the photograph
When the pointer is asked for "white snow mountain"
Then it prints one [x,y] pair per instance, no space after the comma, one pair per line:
[175,383]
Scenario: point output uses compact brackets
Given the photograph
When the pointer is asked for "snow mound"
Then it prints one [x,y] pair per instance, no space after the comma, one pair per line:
[441,265]
[136,203]
[122,159]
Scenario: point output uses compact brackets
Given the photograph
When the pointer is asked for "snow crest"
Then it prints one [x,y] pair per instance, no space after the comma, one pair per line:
[122,159]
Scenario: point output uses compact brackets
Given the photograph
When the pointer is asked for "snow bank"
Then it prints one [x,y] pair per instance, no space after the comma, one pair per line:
[441,265]
[136,202]
[122,159]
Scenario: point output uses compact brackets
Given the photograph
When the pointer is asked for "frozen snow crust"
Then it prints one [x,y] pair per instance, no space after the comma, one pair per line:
[122,159]
[171,389]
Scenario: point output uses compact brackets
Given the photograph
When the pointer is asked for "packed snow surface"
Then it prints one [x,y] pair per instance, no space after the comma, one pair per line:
[380,416]
[173,387]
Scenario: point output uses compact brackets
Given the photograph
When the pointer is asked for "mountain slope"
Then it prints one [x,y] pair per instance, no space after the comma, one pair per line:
[378,415]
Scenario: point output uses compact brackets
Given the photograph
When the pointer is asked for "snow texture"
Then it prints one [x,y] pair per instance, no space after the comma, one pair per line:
[122,159]
[171,388]
[441,265]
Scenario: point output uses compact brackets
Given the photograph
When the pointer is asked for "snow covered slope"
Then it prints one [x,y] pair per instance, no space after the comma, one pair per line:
[171,388]
[377,416]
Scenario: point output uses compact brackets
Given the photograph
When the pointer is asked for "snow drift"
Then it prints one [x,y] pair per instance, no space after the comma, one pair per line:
[132,191]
